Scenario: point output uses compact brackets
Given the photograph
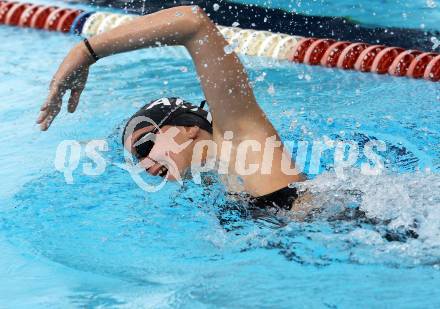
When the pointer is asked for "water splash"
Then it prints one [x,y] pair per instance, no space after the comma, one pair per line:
[435,42]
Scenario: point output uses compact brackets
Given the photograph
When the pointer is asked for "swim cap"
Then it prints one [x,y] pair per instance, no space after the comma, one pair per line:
[171,111]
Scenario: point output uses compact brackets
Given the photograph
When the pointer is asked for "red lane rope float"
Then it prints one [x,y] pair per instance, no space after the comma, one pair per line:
[25,18]
[384,59]
[13,16]
[53,19]
[400,65]
[299,51]
[366,58]
[67,19]
[432,71]
[331,56]
[349,55]
[4,9]
[316,50]
[39,19]
[417,67]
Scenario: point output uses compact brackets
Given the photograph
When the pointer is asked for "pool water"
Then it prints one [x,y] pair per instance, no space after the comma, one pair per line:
[419,14]
[103,242]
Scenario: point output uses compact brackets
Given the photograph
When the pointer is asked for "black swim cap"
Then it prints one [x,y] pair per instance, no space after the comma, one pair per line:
[171,111]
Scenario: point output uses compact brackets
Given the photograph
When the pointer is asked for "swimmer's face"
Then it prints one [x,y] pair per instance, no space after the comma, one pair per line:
[170,155]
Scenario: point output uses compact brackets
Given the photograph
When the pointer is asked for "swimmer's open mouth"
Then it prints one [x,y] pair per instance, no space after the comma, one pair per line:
[163,171]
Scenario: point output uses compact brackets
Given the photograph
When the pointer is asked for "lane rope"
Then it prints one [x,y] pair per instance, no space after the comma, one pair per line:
[344,55]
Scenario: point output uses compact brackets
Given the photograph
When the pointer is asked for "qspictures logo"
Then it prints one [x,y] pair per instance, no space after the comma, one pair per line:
[308,157]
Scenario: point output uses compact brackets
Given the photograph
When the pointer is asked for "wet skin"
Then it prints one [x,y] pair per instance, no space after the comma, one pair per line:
[222,77]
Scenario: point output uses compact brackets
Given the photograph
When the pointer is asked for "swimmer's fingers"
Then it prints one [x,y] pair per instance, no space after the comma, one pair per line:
[63,80]
[49,118]
[74,99]
[50,110]
[77,86]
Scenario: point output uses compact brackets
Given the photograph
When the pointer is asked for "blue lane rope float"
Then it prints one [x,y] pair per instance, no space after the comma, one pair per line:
[78,23]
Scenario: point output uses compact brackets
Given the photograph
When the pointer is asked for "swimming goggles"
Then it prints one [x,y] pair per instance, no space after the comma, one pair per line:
[145,143]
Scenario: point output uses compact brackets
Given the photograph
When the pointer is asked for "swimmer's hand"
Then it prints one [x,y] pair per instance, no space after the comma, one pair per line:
[71,75]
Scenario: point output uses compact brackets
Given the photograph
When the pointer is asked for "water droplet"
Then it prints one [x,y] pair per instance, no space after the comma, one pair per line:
[261,77]
[235,24]
[231,47]
[271,90]
[431,4]
[240,180]
[293,124]
[435,42]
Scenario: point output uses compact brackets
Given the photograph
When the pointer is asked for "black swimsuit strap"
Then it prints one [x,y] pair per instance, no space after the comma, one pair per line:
[282,198]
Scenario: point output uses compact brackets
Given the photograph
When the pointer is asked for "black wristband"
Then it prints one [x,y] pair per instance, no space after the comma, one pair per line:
[91,51]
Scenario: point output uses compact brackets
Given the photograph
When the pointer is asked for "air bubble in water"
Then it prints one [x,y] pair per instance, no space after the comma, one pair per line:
[307,77]
[216,7]
[235,24]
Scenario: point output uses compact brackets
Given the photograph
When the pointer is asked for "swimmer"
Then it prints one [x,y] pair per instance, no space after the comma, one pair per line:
[236,116]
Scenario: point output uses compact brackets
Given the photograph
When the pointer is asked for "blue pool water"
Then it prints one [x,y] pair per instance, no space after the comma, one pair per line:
[421,14]
[102,242]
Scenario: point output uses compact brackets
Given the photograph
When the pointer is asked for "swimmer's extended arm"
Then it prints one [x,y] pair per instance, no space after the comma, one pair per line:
[223,77]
